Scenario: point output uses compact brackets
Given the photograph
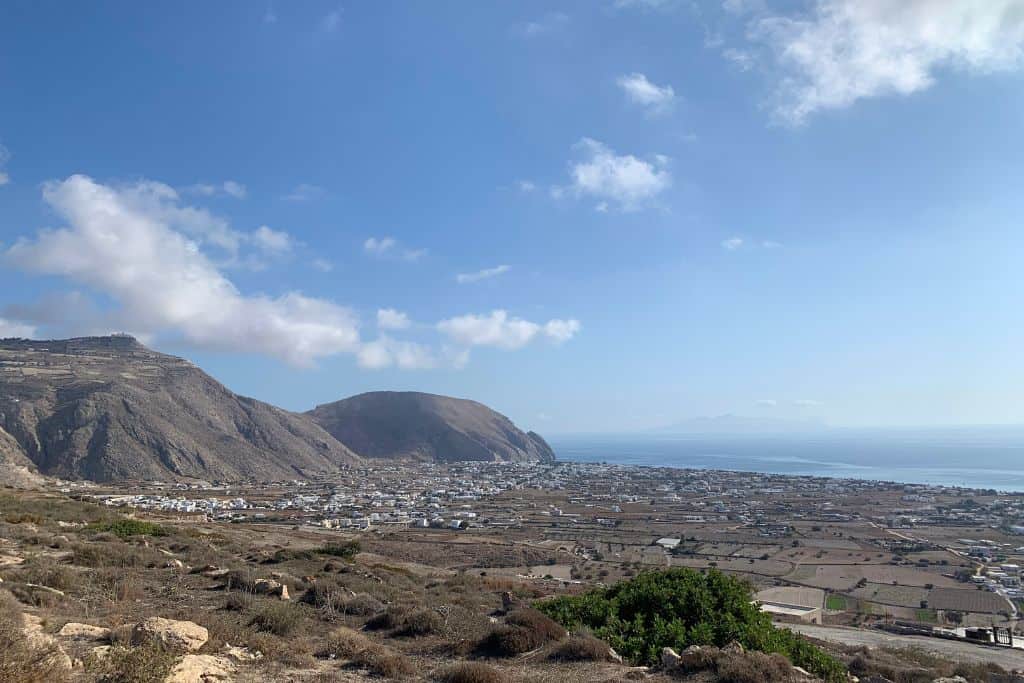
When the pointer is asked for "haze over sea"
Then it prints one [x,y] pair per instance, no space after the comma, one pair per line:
[973,457]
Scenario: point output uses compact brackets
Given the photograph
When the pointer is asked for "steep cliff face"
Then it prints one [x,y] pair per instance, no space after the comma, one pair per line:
[108,408]
[417,426]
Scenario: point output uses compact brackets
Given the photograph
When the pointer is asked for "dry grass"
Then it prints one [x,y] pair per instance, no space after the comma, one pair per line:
[345,643]
[582,647]
[21,659]
[148,663]
[469,672]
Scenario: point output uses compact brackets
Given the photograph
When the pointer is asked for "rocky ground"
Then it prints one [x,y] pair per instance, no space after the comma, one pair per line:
[88,595]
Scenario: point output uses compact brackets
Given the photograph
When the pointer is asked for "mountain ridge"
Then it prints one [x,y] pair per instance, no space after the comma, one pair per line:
[413,425]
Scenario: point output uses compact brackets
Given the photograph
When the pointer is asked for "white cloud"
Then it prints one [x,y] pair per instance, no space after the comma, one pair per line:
[766,402]
[501,331]
[9,328]
[464,278]
[646,4]
[623,179]
[228,188]
[385,352]
[771,244]
[806,403]
[304,192]
[526,186]
[127,243]
[549,23]
[391,319]
[657,99]
[742,59]
[388,246]
[732,243]
[846,50]
[273,241]
[323,265]
[382,245]
[4,178]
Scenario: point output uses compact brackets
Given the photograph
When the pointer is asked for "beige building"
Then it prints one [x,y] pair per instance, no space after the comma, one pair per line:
[805,604]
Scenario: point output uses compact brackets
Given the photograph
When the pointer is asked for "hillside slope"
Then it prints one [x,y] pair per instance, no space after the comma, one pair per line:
[416,426]
[108,408]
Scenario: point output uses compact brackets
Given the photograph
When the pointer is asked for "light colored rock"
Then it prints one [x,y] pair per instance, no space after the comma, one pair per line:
[101,652]
[614,656]
[802,672]
[951,679]
[10,560]
[76,631]
[240,654]
[284,592]
[36,637]
[669,658]
[174,564]
[180,635]
[271,587]
[734,647]
[202,669]
[45,589]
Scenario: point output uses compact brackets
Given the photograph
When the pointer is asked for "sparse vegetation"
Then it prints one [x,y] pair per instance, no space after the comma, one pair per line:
[21,659]
[126,528]
[469,672]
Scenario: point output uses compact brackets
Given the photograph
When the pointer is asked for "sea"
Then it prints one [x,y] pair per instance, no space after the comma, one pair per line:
[969,457]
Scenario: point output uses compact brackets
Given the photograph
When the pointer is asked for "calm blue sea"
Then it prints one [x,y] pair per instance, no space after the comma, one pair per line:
[976,457]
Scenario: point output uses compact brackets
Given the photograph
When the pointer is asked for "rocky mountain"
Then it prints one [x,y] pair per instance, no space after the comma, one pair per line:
[108,408]
[415,426]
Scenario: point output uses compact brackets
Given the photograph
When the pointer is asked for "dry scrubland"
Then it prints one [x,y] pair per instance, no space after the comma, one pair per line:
[88,595]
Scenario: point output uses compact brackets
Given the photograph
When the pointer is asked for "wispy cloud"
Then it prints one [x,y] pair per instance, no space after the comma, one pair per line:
[806,403]
[766,402]
[549,23]
[842,51]
[304,192]
[331,21]
[390,247]
[656,99]
[465,278]
[229,188]
[323,265]
[732,244]
[5,156]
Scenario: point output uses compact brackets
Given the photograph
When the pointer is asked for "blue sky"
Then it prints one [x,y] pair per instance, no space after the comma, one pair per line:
[600,215]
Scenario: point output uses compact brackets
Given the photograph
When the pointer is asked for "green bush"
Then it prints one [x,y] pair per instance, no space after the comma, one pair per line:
[682,607]
[124,528]
[346,550]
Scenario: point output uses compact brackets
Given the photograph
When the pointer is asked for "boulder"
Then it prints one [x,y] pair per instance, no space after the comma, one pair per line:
[174,564]
[734,647]
[240,654]
[670,658]
[201,669]
[76,631]
[177,635]
[271,587]
[37,638]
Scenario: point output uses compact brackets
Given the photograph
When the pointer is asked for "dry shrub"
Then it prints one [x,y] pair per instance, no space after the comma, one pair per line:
[424,622]
[392,617]
[510,641]
[362,605]
[736,667]
[45,573]
[278,618]
[345,643]
[149,663]
[582,647]
[383,661]
[753,667]
[546,627]
[238,602]
[20,659]
[469,672]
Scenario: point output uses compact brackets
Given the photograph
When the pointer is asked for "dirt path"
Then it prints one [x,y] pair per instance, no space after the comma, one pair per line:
[960,652]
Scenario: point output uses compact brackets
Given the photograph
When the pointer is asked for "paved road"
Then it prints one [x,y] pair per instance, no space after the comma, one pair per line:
[961,652]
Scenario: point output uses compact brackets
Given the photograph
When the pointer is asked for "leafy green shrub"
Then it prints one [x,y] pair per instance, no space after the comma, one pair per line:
[682,607]
[125,528]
